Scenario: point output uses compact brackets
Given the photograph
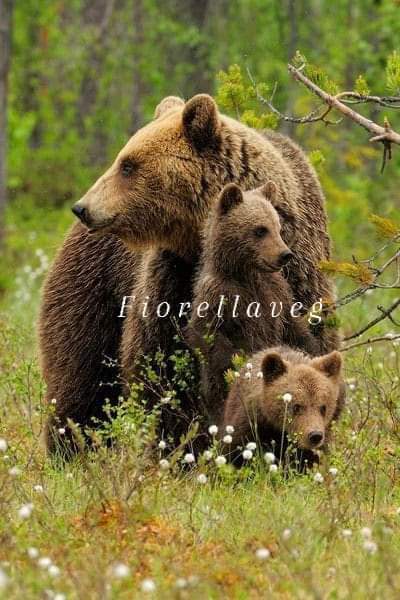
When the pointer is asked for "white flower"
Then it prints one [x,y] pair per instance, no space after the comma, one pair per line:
[25,511]
[247,375]
[148,586]
[181,583]
[249,366]
[236,374]
[33,552]
[286,534]
[61,430]
[38,488]
[53,401]
[3,445]
[162,445]
[366,533]
[201,478]
[347,533]
[44,562]
[247,454]
[213,430]
[121,571]
[164,464]
[229,429]
[220,460]
[165,400]
[59,596]
[260,375]
[333,471]
[269,457]
[207,454]
[352,386]
[370,546]
[273,468]
[263,553]
[189,458]
[287,398]
[54,571]
[318,478]
[3,579]
[14,471]
[227,439]
[251,446]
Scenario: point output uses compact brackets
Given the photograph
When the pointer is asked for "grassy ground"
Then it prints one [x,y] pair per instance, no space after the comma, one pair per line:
[114,525]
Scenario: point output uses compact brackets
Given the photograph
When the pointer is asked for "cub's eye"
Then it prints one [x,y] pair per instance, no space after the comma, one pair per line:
[323,410]
[296,409]
[260,232]
[127,167]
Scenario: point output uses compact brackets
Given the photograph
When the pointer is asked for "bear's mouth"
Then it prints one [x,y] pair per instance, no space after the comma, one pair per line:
[94,228]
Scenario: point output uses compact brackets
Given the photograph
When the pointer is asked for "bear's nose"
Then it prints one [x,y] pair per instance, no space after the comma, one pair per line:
[285,257]
[80,212]
[316,437]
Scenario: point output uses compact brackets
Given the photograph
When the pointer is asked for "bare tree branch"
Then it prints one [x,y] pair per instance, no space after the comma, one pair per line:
[380,133]
[385,313]
[369,341]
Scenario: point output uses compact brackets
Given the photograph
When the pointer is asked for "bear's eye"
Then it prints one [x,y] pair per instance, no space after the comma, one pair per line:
[296,409]
[323,410]
[127,167]
[260,232]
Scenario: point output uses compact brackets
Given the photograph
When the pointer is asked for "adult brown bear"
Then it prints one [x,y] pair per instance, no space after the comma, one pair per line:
[140,226]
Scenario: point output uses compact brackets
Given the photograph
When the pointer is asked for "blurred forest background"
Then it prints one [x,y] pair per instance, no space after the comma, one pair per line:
[79,77]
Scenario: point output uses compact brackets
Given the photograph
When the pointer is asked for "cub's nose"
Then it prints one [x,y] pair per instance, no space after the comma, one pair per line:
[316,437]
[285,257]
[80,212]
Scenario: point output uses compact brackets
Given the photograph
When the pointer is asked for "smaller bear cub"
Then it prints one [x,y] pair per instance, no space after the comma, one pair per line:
[288,396]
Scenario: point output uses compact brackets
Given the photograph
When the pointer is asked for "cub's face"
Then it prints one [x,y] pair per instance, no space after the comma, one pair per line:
[313,389]
[247,227]
[155,189]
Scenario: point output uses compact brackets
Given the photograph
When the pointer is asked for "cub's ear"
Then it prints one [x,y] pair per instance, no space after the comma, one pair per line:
[230,197]
[168,104]
[273,366]
[201,121]
[269,190]
[329,364]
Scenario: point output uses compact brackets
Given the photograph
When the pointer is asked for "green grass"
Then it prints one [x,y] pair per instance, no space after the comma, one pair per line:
[192,540]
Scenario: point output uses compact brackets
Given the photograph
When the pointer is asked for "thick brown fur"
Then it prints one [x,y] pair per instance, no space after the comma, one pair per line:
[241,266]
[256,409]
[155,197]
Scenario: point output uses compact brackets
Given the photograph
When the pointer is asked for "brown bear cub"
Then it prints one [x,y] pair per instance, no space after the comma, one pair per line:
[285,397]
[242,300]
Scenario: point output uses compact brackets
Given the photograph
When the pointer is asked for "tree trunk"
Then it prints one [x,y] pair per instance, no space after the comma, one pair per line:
[139,85]
[96,17]
[6,8]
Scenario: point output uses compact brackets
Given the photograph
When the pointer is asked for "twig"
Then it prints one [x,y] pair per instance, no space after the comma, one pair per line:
[313,117]
[385,313]
[381,338]
[355,98]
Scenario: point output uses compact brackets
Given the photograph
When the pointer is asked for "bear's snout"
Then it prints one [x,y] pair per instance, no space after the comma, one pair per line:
[81,212]
[285,257]
[316,438]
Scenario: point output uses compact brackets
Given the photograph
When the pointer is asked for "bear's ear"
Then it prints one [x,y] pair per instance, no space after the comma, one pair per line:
[168,104]
[269,190]
[329,364]
[230,197]
[200,121]
[273,366]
